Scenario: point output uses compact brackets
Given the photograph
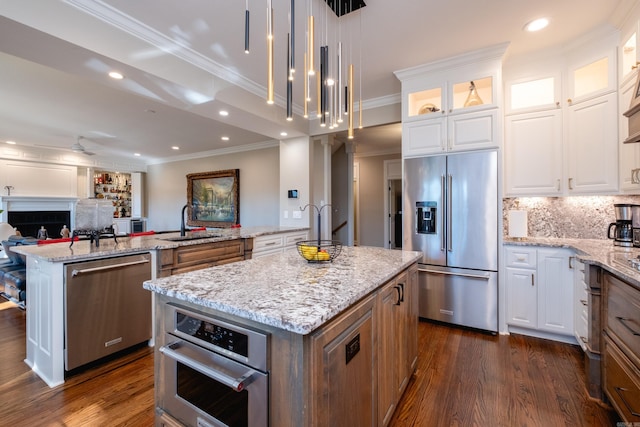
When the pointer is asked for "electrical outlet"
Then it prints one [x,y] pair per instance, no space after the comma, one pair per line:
[635,179]
[297,214]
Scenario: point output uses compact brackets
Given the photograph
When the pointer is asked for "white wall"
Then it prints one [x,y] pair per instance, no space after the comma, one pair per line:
[294,175]
[166,186]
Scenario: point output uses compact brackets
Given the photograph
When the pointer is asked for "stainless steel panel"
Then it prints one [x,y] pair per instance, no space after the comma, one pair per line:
[106,308]
[459,296]
[473,200]
[423,179]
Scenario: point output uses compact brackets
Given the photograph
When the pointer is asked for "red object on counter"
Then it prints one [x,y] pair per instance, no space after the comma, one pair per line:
[142,233]
[61,240]
[236,226]
[198,229]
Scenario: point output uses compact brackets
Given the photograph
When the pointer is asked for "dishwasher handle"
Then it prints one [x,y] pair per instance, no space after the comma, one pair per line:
[451,273]
[76,272]
[172,350]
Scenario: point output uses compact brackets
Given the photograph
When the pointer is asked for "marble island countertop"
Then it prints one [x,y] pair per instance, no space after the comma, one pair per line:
[598,252]
[283,290]
[84,249]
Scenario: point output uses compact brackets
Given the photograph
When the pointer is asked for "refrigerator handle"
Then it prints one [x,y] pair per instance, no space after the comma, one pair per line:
[449,215]
[443,193]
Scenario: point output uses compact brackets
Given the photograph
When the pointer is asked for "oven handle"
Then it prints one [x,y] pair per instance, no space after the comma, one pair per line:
[237,384]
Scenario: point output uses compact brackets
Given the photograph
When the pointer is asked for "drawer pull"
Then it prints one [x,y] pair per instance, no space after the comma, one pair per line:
[521,259]
[270,243]
[532,280]
[583,302]
[624,323]
[619,390]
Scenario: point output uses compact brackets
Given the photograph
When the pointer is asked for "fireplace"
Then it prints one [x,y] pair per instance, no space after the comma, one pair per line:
[28,214]
[28,223]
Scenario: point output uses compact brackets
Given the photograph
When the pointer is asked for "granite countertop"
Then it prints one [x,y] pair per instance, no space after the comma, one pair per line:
[598,252]
[83,249]
[283,290]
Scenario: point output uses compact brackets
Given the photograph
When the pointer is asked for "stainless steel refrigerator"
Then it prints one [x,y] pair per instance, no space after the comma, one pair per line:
[451,216]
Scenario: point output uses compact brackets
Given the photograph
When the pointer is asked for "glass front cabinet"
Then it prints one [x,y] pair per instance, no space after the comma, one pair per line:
[452,105]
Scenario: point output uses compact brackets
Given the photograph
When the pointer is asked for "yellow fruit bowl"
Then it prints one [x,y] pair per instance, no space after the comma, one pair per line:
[319,250]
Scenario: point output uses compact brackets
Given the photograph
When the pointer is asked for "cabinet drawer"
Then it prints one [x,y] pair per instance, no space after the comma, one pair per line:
[623,315]
[521,257]
[292,239]
[267,242]
[621,382]
[207,253]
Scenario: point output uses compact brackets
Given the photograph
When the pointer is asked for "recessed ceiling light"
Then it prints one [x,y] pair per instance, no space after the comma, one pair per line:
[225,138]
[11,142]
[116,75]
[136,154]
[283,134]
[537,24]
[175,147]
[224,113]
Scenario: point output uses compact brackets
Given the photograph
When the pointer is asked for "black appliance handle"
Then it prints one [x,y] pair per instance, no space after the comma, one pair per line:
[613,224]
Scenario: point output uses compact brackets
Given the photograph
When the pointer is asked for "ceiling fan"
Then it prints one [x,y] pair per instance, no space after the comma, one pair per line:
[79,148]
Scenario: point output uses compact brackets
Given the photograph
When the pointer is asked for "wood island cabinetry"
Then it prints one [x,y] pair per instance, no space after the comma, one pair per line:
[195,257]
[621,341]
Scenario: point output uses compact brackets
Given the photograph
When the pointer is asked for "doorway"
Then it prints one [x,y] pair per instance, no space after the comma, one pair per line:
[395,213]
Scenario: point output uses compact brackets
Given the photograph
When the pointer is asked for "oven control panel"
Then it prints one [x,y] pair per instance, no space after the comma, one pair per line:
[212,333]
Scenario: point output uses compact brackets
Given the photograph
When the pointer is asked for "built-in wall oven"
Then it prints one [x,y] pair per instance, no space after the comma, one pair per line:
[211,372]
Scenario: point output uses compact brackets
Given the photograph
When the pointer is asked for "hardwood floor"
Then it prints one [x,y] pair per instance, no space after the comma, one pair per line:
[464,378]
[467,378]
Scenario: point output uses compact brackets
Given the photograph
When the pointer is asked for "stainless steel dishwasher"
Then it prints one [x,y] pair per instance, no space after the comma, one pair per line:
[106,308]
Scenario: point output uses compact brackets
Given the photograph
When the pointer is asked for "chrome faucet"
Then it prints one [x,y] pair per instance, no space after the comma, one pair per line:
[182,228]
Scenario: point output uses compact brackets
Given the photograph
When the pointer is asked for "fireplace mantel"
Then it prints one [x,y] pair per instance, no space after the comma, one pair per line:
[37,203]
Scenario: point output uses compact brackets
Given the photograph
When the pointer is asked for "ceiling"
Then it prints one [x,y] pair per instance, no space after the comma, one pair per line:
[184,61]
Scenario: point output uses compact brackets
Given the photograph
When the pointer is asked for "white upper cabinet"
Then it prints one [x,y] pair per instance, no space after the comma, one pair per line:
[561,124]
[628,56]
[452,104]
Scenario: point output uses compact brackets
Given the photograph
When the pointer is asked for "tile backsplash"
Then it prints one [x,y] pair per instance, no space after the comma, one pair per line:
[580,217]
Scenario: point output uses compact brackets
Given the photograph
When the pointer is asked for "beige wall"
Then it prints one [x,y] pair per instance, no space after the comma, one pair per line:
[166,186]
[371,198]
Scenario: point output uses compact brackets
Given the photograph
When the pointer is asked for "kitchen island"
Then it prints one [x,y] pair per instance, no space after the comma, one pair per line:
[342,336]
[168,253]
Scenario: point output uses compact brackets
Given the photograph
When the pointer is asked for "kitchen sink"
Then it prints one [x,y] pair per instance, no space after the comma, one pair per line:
[190,237]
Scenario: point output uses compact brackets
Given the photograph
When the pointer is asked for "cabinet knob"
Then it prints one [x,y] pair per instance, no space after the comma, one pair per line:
[633,67]
[557,103]
[569,101]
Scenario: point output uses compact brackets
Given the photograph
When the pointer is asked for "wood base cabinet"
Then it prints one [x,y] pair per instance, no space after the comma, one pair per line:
[195,257]
[621,358]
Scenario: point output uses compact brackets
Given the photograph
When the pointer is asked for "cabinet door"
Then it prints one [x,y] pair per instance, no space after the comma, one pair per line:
[580,304]
[555,292]
[629,156]
[343,381]
[388,341]
[533,153]
[521,297]
[424,137]
[473,131]
[593,145]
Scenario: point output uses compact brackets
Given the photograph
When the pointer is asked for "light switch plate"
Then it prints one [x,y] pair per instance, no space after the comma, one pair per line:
[286,214]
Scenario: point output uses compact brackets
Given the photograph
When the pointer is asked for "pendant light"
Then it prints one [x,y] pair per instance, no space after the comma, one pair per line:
[270,77]
[246,28]
[473,98]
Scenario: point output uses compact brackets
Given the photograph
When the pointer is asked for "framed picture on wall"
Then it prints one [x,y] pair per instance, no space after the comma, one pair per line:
[214,198]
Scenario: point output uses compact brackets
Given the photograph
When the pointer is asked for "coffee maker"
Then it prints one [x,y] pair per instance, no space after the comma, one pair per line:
[623,227]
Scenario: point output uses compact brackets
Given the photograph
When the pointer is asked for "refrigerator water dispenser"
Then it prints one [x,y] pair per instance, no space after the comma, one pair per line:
[426,217]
